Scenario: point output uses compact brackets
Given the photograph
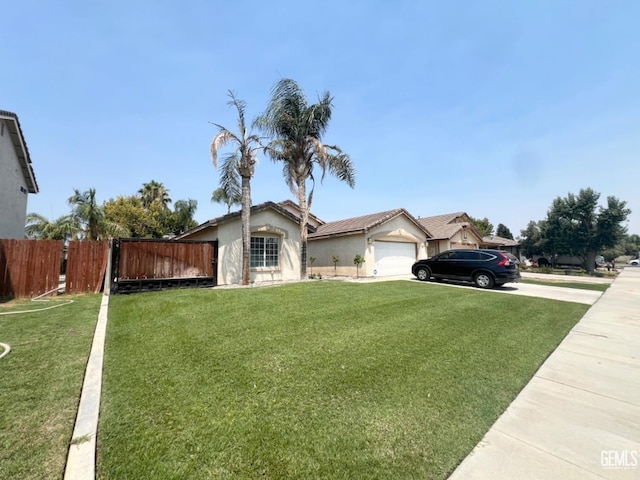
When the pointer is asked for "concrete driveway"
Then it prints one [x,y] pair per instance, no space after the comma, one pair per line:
[587,297]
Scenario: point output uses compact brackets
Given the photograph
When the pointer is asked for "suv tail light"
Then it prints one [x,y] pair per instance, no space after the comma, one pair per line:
[505,262]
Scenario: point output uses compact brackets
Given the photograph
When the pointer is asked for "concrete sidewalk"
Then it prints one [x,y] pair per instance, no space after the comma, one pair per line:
[579,416]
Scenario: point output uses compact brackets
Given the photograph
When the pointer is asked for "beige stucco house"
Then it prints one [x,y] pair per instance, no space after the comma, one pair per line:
[449,231]
[275,244]
[17,179]
[389,241]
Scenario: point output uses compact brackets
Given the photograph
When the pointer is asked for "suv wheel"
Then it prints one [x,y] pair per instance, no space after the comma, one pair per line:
[483,280]
[423,274]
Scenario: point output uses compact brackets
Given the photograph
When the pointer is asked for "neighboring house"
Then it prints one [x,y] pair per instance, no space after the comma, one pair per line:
[501,243]
[390,243]
[450,231]
[275,244]
[17,179]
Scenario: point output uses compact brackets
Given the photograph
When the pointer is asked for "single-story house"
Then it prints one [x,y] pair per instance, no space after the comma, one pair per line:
[17,179]
[390,242]
[450,231]
[501,243]
[275,243]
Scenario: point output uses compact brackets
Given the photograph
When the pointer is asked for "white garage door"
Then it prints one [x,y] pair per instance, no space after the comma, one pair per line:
[394,258]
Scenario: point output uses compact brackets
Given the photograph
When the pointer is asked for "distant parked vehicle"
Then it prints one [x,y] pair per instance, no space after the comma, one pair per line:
[635,262]
[485,268]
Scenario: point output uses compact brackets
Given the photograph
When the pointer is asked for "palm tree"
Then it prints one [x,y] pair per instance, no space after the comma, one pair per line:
[154,191]
[229,199]
[183,212]
[64,228]
[90,217]
[241,162]
[297,128]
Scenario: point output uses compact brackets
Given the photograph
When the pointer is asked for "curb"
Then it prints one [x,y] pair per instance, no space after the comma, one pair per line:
[81,459]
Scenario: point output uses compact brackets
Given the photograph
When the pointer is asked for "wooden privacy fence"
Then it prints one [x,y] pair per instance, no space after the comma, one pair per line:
[142,265]
[86,266]
[29,268]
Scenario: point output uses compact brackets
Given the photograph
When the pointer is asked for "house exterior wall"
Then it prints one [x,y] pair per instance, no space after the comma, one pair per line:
[459,240]
[346,247]
[266,222]
[13,198]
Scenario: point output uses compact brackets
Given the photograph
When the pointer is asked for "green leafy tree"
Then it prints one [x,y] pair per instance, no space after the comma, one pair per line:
[578,225]
[531,241]
[483,225]
[65,227]
[241,162]
[296,128]
[335,259]
[231,198]
[504,232]
[357,261]
[631,245]
[129,212]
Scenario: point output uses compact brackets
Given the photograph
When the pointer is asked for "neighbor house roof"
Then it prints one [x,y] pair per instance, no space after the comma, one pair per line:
[20,145]
[447,225]
[500,241]
[214,222]
[362,224]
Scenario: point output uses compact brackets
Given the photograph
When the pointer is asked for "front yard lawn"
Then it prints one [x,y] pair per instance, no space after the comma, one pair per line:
[314,380]
[40,383]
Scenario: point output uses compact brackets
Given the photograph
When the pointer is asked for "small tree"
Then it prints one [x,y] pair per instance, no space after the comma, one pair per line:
[311,260]
[335,259]
[358,260]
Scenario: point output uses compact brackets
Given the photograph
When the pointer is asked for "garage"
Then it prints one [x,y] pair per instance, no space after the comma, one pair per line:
[393,258]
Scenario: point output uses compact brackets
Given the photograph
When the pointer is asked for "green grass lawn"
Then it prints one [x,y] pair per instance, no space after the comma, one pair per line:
[600,287]
[314,380]
[40,383]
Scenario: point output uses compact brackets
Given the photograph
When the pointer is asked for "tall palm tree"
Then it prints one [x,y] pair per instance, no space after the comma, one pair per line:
[229,199]
[90,217]
[154,191]
[296,127]
[65,227]
[241,162]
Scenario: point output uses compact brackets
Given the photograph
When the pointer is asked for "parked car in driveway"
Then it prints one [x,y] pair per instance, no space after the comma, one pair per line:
[485,268]
[635,262]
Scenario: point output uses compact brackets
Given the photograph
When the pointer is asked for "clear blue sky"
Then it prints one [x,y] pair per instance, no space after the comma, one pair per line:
[493,108]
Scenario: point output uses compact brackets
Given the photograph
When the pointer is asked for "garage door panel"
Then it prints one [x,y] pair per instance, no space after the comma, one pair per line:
[394,258]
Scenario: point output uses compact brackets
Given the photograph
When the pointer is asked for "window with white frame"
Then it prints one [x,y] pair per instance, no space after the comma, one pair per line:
[264,252]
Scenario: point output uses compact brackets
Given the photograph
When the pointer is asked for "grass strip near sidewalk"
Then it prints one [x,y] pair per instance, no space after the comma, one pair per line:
[323,380]
[599,287]
[40,383]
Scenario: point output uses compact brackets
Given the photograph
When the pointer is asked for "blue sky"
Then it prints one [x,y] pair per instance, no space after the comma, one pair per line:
[493,108]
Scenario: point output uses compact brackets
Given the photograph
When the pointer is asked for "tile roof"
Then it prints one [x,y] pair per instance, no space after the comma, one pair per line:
[214,222]
[20,145]
[441,226]
[293,207]
[362,224]
[501,241]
